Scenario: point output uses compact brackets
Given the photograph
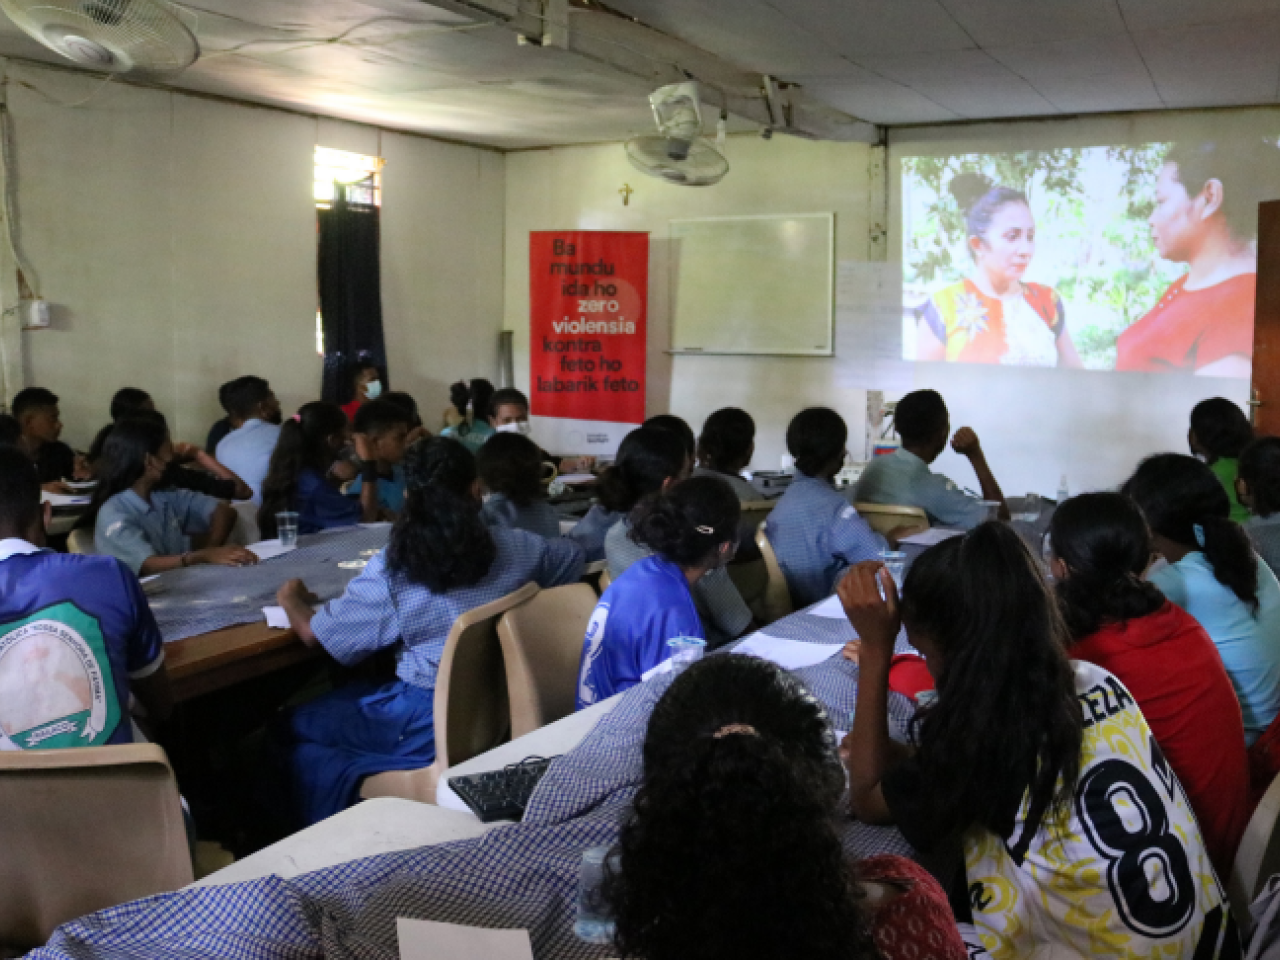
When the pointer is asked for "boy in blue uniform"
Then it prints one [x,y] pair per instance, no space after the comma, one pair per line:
[814,531]
[692,529]
[76,634]
[386,426]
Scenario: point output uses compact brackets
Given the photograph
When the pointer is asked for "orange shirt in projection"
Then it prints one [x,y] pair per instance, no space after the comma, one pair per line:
[1189,329]
[975,329]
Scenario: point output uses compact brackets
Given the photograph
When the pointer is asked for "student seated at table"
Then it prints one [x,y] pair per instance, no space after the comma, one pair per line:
[650,461]
[1101,548]
[1258,487]
[741,771]
[77,633]
[308,470]
[509,413]
[125,401]
[1215,576]
[190,469]
[364,381]
[813,530]
[246,450]
[692,530]
[144,526]
[1075,840]
[510,469]
[678,426]
[647,461]
[471,404]
[224,426]
[725,448]
[903,477]
[1218,434]
[40,425]
[385,425]
[442,561]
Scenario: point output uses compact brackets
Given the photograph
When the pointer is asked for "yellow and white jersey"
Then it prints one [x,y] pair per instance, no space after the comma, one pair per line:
[1124,875]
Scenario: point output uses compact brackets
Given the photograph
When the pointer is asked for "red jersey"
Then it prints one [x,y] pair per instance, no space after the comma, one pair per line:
[350,408]
[1189,329]
[1173,670]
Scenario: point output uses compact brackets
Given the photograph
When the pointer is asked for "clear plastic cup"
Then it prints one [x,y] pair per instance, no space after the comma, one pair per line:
[594,923]
[287,528]
[684,651]
[895,561]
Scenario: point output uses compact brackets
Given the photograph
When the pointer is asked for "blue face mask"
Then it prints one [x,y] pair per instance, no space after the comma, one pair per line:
[373,389]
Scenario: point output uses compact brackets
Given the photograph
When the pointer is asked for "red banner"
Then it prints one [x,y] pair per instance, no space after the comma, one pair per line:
[588,293]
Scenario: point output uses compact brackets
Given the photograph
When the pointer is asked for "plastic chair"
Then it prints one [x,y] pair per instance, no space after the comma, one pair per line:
[84,829]
[80,540]
[472,714]
[775,603]
[542,647]
[246,531]
[883,517]
[1258,856]
[755,512]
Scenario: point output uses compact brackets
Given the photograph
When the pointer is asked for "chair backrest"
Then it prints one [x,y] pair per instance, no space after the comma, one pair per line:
[246,531]
[606,578]
[472,713]
[84,829]
[541,647]
[1258,856]
[80,540]
[776,601]
[883,517]
[754,512]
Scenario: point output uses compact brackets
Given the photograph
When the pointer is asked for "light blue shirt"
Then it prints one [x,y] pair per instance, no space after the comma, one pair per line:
[246,452]
[390,489]
[384,609]
[1248,643]
[816,536]
[904,479]
[591,530]
[537,517]
[131,530]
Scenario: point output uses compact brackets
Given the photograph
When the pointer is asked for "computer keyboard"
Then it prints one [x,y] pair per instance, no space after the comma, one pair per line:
[501,794]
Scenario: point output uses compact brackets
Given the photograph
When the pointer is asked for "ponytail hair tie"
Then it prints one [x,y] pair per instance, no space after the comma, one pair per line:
[705,530]
[729,729]
[1198,531]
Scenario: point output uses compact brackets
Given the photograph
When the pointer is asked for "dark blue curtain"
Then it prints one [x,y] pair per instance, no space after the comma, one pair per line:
[350,294]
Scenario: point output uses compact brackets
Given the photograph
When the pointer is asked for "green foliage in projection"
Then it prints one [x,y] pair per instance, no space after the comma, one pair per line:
[1108,270]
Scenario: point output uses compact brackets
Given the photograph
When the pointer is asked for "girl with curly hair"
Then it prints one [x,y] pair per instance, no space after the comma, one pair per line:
[442,561]
[1042,770]
[732,851]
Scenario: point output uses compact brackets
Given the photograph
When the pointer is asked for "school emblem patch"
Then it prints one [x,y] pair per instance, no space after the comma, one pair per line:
[56,685]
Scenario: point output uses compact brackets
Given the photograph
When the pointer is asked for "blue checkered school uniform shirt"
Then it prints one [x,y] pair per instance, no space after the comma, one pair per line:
[817,535]
[903,478]
[382,609]
[537,517]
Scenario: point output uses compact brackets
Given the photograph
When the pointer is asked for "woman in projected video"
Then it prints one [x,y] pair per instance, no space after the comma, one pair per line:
[1205,216]
[993,316]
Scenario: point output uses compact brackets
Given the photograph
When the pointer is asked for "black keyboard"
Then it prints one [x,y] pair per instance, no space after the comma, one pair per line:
[501,794]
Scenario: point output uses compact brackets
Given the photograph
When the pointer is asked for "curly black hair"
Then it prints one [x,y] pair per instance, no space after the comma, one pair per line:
[511,464]
[440,539]
[730,851]
[689,522]
[1105,543]
[647,457]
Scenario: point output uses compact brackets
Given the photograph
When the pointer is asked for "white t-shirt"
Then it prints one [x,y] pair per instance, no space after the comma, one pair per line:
[1129,875]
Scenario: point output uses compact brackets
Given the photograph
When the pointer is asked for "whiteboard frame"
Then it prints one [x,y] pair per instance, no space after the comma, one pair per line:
[673,269]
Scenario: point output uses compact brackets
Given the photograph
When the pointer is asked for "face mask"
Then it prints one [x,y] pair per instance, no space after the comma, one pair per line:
[521,427]
[373,389]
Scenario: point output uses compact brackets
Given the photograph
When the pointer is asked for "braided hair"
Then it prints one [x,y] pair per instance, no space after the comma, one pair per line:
[440,539]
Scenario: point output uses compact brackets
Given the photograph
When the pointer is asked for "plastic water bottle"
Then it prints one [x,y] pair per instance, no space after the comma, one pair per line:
[593,923]
[1064,492]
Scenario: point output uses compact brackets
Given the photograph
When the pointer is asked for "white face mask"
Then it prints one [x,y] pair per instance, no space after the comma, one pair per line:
[521,427]
[373,389]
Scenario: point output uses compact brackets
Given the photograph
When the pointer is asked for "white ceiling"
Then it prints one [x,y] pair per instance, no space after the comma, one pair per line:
[409,65]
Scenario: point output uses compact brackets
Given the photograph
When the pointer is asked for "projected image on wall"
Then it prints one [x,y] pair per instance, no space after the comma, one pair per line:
[1139,258]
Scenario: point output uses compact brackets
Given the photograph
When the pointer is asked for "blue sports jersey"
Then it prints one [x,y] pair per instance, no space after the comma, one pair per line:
[73,631]
[628,632]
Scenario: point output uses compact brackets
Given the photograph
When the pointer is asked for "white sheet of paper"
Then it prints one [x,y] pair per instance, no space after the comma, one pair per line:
[831,608]
[788,654]
[277,619]
[934,535]
[431,940]
[65,499]
[574,478]
[664,667]
[266,549]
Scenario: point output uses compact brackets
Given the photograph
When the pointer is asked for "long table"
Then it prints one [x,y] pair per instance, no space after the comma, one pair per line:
[214,661]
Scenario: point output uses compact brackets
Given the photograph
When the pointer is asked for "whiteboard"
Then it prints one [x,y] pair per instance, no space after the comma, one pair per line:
[753,285]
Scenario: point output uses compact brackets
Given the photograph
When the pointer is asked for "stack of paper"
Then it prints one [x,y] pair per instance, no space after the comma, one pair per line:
[430,940]
[266,549]
[788,654]
[934,535]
